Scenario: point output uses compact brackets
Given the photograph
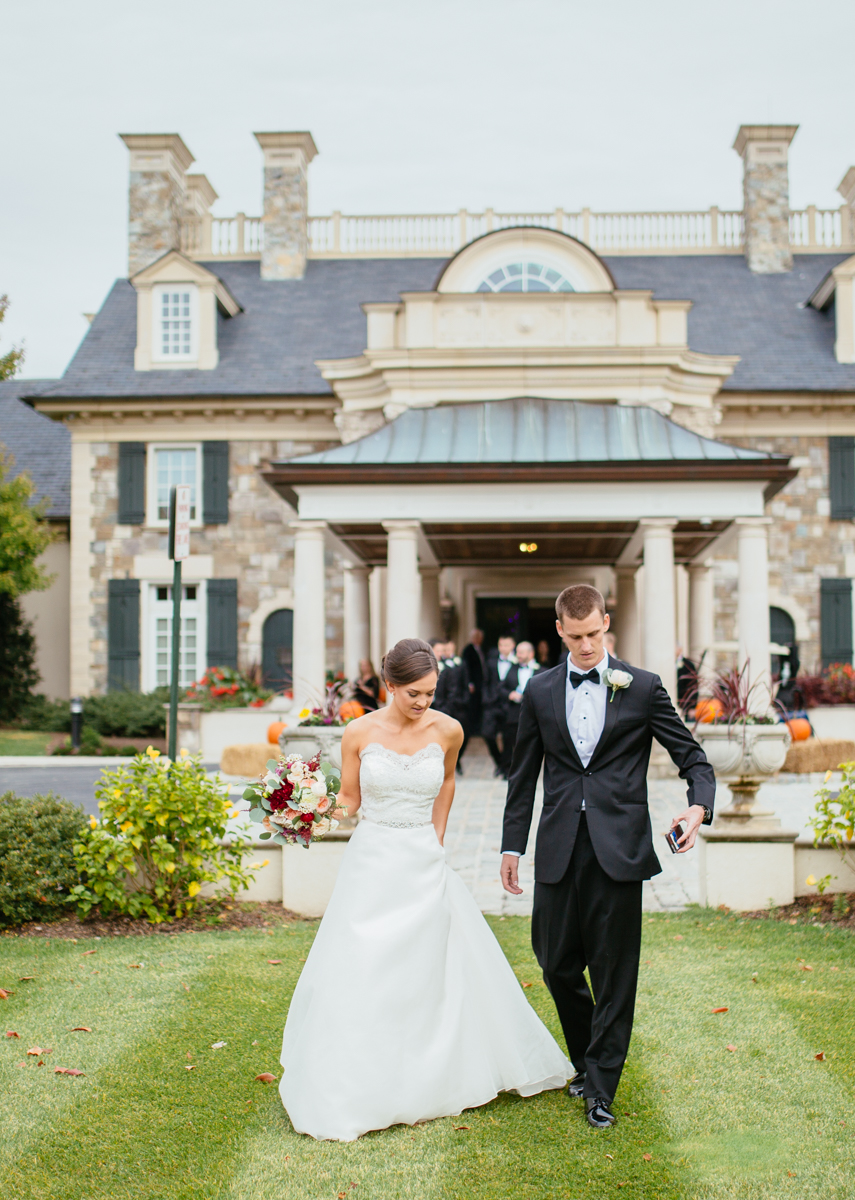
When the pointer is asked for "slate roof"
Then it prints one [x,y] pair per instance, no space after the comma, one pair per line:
[528,430]
[271,347]
[41,447]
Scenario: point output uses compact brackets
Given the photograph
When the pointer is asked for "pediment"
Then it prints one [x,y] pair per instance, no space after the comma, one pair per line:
[174,267]
[479,266]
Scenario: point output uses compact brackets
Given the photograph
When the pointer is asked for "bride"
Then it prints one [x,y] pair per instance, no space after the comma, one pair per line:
[441,1023]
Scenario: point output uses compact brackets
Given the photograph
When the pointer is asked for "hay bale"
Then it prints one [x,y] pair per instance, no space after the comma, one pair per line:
[248,760]
[818,754]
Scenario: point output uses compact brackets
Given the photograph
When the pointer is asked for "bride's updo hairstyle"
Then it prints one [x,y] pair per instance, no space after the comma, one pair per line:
[408,660]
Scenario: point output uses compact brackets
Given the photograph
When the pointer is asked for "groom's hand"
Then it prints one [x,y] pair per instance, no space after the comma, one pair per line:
[692,818]
[509,873]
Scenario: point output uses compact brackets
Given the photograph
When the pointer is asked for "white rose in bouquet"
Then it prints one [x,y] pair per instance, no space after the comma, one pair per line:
[321,827]
[319,788]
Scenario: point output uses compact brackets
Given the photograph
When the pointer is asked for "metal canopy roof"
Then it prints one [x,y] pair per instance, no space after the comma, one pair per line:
[529,431]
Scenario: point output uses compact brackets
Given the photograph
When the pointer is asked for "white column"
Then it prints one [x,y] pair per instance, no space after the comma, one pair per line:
[660,625]
[377,606]
[430,622]
[357,641]
[702,614]
[403,583]
[753,604]
[626,631]
[309,589]
[681,602]
[80,569]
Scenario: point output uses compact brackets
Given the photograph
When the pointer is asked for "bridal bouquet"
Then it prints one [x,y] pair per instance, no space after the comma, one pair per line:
[294,798]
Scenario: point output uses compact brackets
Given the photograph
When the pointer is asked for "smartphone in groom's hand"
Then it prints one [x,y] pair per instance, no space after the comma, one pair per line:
[673,838]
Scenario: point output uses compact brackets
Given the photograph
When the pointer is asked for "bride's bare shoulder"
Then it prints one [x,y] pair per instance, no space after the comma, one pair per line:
[448,731]
[360,731]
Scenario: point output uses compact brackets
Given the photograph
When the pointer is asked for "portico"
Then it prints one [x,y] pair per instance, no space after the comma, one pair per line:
[521,497]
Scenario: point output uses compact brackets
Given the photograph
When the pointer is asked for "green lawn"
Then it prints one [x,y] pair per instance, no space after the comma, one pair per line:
[759,1122]
[23,741]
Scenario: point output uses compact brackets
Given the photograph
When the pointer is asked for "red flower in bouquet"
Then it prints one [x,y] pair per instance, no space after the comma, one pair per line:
[279,799]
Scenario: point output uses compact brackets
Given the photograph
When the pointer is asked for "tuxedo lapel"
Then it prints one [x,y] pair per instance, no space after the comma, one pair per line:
[612,711]
[559,708]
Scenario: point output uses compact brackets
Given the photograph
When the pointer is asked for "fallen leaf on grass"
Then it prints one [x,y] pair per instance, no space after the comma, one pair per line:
[647,1157]
[192,1067]
[218,1045]
[134,966]
[67,1071]
[718,1010]
[37,1051]
[24,978]
[678,937]
[85,952]
[266,1077]
[624,1184]
[461,1127]
[184,985]
[611,1156]
[4,995]
[11,1033]
[730,1047]
[81,1029]
[820,1057]
[528,985]
[274,962]
[791,1174]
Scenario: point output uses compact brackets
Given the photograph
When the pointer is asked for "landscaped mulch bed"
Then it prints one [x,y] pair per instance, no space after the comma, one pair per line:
[228,916]
[813,910]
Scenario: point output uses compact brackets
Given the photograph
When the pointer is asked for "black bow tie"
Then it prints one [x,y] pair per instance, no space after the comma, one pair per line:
[593,676]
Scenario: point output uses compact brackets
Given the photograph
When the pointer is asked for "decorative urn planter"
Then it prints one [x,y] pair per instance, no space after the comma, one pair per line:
[309,740]
[744,756]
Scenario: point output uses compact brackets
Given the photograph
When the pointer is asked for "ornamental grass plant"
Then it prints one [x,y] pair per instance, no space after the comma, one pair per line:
[159,840]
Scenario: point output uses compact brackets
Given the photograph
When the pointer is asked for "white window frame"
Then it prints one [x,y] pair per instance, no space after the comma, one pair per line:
[152,519]
[148,633]
[157,356]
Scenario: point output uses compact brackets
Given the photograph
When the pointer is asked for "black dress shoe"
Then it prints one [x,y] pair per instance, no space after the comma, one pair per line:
[574,1087]
[599,1112]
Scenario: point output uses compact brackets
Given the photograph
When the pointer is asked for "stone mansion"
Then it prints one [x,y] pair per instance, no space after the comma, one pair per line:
[409,424]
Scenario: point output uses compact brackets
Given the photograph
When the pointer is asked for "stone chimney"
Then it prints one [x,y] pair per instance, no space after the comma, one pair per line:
[766,196]
[156,195]
[846,187]
[286,203]
[199,195]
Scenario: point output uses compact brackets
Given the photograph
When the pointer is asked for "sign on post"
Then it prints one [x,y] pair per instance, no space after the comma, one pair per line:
[179,524]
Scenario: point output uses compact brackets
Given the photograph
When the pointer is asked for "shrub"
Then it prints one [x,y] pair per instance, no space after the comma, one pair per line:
[37,866]
[156,843]
[834,819]
[118,714]
[45,715]
[835,685]
[18,674]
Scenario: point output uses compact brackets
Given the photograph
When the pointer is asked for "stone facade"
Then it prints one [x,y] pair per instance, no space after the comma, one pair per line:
[286,204]
[805,546]
[256,548]
[766,196]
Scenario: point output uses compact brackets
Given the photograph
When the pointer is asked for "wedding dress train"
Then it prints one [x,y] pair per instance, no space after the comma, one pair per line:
[428,1018]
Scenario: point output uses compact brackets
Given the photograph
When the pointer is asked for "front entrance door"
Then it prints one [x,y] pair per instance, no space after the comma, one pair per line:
[523,619]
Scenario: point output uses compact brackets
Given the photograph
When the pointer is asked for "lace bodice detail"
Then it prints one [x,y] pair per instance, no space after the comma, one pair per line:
[399,789]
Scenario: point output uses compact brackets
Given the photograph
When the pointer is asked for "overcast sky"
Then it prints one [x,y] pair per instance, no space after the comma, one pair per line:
[415,105]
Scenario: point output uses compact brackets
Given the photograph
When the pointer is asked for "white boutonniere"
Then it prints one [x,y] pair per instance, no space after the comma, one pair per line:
[512,659]
[616,680]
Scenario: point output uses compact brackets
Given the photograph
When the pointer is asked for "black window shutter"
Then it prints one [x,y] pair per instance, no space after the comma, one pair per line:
[215,483]
[123,635]
[835,620]
[131,483]
[222,623]
[841,478]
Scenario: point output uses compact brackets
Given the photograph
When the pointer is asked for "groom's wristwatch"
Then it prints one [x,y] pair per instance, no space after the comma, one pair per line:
[707,815]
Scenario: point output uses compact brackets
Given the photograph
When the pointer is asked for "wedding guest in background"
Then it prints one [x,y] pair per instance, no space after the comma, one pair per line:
[544,658]
[452,690]
[516,681]
[499,663]
[476,665]
[366,688]
[610,644]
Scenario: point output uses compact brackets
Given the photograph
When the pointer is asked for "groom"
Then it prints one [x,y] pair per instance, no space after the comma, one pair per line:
[594,844]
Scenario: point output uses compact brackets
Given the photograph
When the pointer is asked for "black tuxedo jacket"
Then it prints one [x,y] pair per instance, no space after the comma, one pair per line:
[496,692]
[613,785]
[452,691]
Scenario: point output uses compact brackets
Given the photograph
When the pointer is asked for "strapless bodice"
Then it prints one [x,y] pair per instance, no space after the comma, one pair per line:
[399,789]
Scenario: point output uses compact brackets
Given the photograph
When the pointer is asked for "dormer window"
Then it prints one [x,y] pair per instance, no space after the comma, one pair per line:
[175,324]
[526,277]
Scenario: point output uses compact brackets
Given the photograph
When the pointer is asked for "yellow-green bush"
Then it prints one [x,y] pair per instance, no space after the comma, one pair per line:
[158,840]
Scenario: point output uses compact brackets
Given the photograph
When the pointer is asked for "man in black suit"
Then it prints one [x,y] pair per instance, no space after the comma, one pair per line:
[513,686]
[593,720]
[494,708]
[452,689]
[473,656]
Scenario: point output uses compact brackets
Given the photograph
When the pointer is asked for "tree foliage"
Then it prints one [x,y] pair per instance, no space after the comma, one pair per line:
[24,534]
[18,674]
[12,359]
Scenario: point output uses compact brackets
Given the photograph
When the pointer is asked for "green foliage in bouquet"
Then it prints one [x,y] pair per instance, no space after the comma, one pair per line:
[158,840]
[834,818]
[37,867]
[224,687]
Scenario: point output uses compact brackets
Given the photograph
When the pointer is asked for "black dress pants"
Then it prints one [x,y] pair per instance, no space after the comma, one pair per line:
[590,920]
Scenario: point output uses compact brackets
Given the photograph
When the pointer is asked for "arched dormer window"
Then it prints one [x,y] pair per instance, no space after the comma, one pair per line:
[526,277]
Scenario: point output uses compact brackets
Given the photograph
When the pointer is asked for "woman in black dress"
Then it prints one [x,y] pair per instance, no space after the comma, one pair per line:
[366,689]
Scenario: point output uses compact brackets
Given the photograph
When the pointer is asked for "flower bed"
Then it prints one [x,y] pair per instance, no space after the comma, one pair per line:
[224,687]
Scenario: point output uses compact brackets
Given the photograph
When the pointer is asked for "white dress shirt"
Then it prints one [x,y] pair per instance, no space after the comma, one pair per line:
[503,666]
[585,707]
[524,674]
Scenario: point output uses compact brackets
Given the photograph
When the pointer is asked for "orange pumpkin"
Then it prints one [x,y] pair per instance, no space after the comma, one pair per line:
[351,709]
[799,728]
[706,711]
[273,732]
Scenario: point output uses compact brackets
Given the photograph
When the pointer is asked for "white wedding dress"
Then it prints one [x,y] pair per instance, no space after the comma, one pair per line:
[406,1009]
